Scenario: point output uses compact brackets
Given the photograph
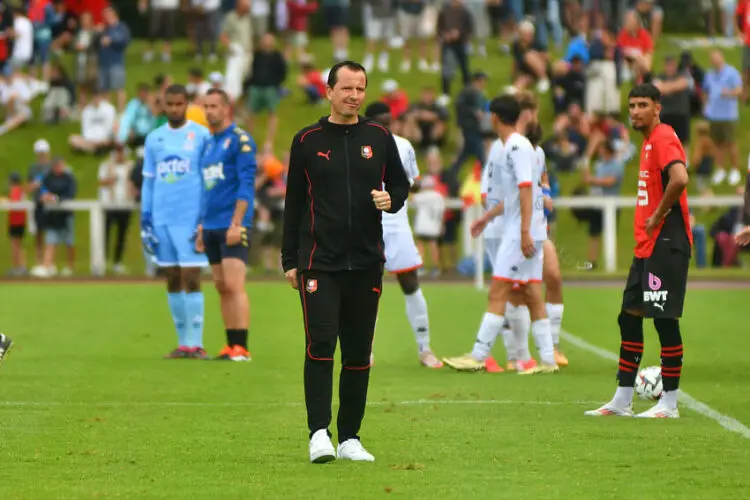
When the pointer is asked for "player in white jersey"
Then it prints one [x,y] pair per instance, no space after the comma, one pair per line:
[520,256]
[401,255]
[552,277]
[492,238]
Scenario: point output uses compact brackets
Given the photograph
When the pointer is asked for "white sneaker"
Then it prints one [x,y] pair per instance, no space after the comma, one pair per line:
[148,56]
[405,66]
[719,175]
[734,177]
[543,86]
[660,410]
[610,410]
[321,448]
[66,272]
[352,449]
[423,66]
[119,269]
[39,272]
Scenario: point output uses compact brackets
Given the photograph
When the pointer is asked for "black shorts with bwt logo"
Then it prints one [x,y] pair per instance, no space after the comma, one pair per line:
[656,285]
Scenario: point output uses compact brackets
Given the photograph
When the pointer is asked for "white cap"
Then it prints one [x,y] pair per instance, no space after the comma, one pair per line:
[390,85]
[41,146]
[216,77]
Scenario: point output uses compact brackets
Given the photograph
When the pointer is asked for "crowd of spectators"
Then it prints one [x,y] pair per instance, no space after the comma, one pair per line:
[605,45]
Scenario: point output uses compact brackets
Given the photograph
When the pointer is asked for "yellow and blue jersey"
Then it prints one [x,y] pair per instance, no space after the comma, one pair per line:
[229,167]
[172,184]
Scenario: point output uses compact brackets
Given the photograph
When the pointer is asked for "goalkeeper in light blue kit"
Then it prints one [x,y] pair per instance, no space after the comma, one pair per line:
[170,208]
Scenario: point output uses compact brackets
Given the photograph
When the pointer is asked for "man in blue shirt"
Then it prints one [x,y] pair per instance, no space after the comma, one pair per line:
[170,207]
[223,232]
[723,88]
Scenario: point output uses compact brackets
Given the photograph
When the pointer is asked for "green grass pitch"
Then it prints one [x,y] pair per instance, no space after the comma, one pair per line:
[88,409]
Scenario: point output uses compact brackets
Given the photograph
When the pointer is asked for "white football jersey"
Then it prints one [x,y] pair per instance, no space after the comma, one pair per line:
[400,220]
[516,172]
[491,192]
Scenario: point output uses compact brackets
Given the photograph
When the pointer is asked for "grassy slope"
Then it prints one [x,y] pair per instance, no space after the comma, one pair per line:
[16,154]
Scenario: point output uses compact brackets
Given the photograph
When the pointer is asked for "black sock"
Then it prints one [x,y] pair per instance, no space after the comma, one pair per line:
[631,348]
[237,337]
[671,352]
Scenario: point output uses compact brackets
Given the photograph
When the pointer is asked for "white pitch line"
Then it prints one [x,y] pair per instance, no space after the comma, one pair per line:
[729,423]
[169,404]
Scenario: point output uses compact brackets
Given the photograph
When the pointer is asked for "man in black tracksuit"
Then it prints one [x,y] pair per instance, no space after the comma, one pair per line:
[343,171]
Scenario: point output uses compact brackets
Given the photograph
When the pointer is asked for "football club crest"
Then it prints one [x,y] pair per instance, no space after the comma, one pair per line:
[246,148]
[366,152]
[312,285]
[227,142]
[189,142]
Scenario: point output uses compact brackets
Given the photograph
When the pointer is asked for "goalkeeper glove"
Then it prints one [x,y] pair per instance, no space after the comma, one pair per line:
[148,239]
[547,192]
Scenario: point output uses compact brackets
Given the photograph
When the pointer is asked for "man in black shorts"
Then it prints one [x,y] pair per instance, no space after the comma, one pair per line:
[658,276]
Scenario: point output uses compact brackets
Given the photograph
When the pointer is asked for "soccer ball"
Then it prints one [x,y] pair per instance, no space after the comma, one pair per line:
[648,383]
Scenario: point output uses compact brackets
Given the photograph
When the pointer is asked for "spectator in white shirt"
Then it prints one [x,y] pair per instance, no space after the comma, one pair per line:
[23,40]
[15,96]
[196,84]
[97,127]
[114,189]
[162,26]
[428,221]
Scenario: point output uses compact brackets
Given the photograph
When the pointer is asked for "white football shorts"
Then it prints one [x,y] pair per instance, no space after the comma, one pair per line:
[511,265]
[401,254]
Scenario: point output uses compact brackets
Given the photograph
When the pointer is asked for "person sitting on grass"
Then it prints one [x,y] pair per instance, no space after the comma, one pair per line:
[97,127]
[311,82]
[15,96]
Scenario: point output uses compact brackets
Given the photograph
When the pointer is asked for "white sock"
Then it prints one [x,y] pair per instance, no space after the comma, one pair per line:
[555,315]
[623,397]
[340,54]
[383,59]
[669,399]
[520,324]
[510,344]
[541,331]
[416,311]
[488,332]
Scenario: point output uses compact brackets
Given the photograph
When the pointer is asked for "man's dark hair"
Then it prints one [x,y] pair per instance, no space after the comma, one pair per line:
[333,75]
[380,112]
[176,89]
[535,134]
[220,92]
[143,86]
[506,108]
[159,79]
[645,91]
[196,72]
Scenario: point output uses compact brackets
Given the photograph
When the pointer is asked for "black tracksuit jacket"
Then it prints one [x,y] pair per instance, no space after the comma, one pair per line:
[330,221]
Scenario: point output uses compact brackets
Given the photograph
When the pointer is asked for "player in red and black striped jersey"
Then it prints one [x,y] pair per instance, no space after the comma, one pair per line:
[655,287]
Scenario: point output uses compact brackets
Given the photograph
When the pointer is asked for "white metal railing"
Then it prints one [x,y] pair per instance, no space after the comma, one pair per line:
[473,247]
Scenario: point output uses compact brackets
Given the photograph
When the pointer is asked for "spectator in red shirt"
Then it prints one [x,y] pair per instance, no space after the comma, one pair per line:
[395,98]
[16,227]
[311,82]
[743,26]
[636,45]
[299,11]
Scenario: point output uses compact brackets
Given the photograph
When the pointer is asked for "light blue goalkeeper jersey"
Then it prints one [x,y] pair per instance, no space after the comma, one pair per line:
[171,168]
